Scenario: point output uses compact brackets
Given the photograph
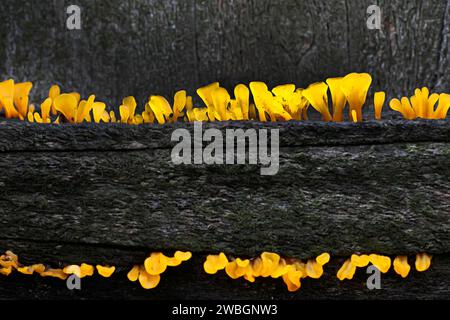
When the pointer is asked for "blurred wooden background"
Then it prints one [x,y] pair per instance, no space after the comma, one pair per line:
[143,47]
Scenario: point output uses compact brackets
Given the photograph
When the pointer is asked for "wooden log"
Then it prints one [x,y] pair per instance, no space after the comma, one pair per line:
[110,194]
[144,47]
[341,188]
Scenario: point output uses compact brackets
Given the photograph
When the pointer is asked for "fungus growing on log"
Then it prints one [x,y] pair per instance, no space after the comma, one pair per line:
[268,264]
[105,271]
[215,263]
[338,98]
[355,87]
[282,103]
[383,264]
[84,270]
[423,262]
[348,269]
[148,281]
[379,99]
[133,274]
[401,266]
[55,273]
[21,93]
[422,105]
[150,272]
[317,96]
[38,268]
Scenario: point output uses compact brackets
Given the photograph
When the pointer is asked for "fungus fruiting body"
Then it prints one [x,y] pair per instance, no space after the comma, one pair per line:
[355,87]
[348,269]
[268,264]
[316,94]
[133,274]
[383,264]
[105,271]
[254,102]
[401,266]
[423,262]
[84,270]
[338,98]
[149,274]
[215,263]
[378,102]
[422,105]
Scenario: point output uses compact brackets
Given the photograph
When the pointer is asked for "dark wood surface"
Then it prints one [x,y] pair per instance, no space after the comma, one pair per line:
[110,194]
[85,193]
[144,47]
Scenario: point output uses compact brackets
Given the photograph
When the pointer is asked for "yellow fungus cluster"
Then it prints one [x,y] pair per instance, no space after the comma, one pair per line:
[10,262]
[81,271]
[149,274]
[105,271]
[282,103]
[422,105]
[14,98]
[383,264]
[268,265]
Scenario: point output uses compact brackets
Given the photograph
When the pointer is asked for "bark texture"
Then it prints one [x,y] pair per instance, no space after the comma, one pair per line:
[341,188]
[143,47]
[110,194]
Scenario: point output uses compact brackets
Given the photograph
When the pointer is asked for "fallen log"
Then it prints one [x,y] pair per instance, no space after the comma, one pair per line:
[110,194]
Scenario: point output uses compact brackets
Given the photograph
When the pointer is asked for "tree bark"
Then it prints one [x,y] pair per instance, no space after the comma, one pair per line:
[110,194]
[143,47]
[341,188]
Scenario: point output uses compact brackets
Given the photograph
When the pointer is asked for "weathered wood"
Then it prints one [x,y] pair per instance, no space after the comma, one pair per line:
[143,47]
[110,194]
[17,136]
[340,193]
